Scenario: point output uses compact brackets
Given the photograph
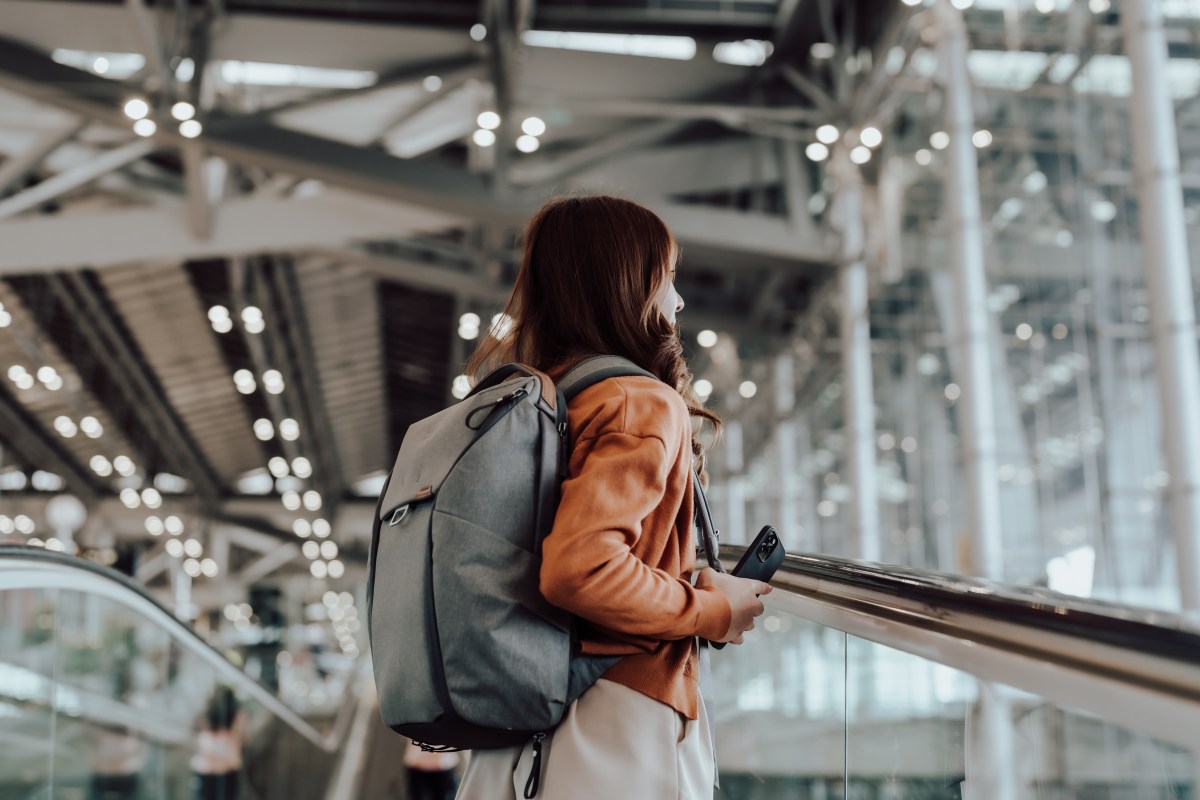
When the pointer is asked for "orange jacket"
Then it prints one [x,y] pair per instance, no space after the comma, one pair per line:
[622,549]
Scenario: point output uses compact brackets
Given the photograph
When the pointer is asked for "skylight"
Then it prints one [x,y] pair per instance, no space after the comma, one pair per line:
[259,73]
[678,48]
[117,66]
[746,53]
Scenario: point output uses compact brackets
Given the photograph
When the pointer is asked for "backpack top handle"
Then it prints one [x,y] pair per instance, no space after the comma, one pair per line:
[504,372]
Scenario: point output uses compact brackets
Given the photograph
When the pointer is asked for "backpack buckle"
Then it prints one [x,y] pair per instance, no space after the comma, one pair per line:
[398,515]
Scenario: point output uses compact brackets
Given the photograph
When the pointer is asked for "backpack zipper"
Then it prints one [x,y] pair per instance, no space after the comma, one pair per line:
[535,771]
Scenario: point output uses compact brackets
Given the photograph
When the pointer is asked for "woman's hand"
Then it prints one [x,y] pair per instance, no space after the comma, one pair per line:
[742,594]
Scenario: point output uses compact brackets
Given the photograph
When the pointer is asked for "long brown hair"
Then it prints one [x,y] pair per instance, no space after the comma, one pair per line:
[589,277]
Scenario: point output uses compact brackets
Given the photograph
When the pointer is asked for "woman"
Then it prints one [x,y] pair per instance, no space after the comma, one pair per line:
[218,758]
[597,278]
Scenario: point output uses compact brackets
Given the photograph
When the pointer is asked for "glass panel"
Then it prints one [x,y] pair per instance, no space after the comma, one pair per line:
[918,729]
[28,653]
[781,711]
[799,707]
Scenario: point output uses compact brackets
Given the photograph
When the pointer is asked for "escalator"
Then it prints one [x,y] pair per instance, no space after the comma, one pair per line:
[98,682]
[861,681]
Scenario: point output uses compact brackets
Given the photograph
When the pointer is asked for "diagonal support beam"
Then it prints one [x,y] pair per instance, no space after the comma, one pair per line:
[15,169]
[73,179]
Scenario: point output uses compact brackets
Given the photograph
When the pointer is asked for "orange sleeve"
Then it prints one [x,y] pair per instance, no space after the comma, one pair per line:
[587,566]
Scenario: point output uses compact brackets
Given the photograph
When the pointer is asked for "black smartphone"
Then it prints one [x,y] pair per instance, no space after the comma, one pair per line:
[760,561]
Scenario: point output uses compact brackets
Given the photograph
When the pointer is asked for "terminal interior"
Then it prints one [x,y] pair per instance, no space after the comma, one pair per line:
[939,260]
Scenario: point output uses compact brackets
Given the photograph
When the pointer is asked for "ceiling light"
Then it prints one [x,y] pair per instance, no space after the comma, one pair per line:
[310,549]
[981,138]
[101,466]
[174,525]
[278,466]
[5,319]
[329,549]
[1104,211]
[703,388]
[137,108]
[145,127]
[130,498]
[1034,182]
[301,467]
[100,65]
[871,137]
[16,371]
[318,569]
[209,568]
[251,313]
[923,157]
[302,528]
[190,129]
[243,379]
[469,320]
[939,140]
[748,389]
[272,377]
[291,500]
[124,466]
[183,111]
[174,548]
[151,497]
[828,134]
[432,83]
[46,374]
[91,427]
[154,526]
[193,548]
[192,567]
[25,381]
[218,312]
[1024,332]
[222,325]
[860,154]
[6,525]
[264,431]
[822,51]
[706,338]
[289,429]
[312,500]
[1064,238]
[483,138]
[321,528]
[744,53]
[489,120]
[501,326]
[953,392]
[528,144]
[816,152]
[186,70]
[533,126]
[336,570]
[478,32]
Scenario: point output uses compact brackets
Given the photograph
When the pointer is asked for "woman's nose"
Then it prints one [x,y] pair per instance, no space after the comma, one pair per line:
[678,304]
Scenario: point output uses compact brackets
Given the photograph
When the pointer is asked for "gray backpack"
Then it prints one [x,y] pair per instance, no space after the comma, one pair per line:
[466,651]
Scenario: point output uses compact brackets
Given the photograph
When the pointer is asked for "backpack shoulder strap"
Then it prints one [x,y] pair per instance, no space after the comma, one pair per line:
[592,370]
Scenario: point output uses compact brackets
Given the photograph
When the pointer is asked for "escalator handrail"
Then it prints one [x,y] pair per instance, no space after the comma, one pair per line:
[926,593]
[50,569]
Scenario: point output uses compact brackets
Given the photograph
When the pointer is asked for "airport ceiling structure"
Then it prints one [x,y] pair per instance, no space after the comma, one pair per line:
[237,237]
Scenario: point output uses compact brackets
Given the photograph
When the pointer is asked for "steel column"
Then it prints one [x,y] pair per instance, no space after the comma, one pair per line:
[1168,280]
[978,429]
[858,399]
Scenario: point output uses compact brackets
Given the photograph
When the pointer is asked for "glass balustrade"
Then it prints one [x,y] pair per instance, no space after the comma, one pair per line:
[805,711]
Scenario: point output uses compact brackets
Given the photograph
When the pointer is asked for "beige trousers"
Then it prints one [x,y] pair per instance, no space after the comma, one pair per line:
[612,743]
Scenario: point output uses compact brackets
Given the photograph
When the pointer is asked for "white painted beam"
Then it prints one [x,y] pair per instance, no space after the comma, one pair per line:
[251,225]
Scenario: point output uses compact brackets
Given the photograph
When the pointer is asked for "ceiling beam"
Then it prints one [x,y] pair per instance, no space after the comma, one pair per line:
[252,225]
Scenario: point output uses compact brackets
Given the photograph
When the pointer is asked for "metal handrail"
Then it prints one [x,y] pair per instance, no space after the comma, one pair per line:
[1137,667]
[36,568]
